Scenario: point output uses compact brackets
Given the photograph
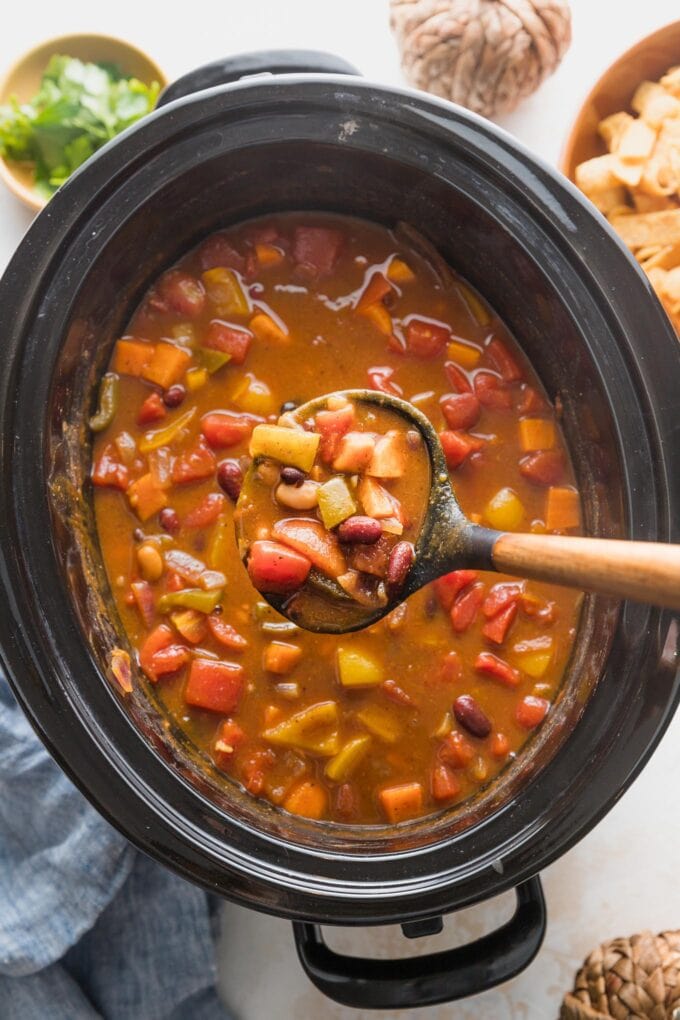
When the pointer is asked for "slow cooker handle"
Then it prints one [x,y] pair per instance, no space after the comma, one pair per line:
[427,980]
[222,72]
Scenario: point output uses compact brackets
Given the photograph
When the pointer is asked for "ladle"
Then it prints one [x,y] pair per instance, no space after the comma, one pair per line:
[642,571]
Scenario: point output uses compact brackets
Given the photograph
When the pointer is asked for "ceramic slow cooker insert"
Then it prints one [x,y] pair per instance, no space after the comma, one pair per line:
[587,319]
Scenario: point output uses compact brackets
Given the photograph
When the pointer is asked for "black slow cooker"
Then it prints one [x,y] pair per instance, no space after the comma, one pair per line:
[589,322]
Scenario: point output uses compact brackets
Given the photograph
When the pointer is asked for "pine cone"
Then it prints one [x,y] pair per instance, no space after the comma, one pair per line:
[628,979]
[484,54]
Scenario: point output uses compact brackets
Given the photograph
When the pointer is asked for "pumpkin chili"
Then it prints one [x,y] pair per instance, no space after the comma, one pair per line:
[422,709]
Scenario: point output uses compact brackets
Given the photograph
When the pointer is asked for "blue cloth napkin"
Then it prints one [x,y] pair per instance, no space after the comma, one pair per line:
[89,928]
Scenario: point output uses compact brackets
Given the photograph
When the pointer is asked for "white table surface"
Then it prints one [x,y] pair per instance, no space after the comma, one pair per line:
[623,876]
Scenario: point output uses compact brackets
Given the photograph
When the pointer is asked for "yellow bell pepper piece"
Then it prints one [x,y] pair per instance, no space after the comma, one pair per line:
[505,510]
[347,759]
[289,446]
[463,354]
[335,502]
[225,291]
[164,436]
[355,669]
[309,730]
[381,723]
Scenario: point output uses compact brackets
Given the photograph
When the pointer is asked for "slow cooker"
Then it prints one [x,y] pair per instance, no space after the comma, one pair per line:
[227,143]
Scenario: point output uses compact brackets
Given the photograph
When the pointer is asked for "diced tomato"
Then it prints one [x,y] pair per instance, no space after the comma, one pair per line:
[206,512]
[194,464]
[530,401]
[448,585]
[504,361]
[457,378]
[231,340]
[461,410]
[499,745]
[227,428]
[275,568]
[531,711]
[496,629]
[451,669]
[381,379]
[159,655]
[226,634]
[332,426]
[543,468]
[375,290]
[153,409]
[216,686]
[311,539]
[458,446]
[182,293]
[263,233]
[397,694]
[254,770]
[501,596]
[316,249]
[492,391]
[464,610]
[219,251]
[491,665]
[424,338]
[144,600]
[445,783]
[455,750]
[230,736]
[108,470]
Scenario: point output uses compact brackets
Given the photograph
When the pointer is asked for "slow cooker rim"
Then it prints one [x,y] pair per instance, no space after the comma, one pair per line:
[343,82]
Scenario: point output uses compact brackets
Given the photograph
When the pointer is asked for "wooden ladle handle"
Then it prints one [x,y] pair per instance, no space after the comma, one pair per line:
[642,571]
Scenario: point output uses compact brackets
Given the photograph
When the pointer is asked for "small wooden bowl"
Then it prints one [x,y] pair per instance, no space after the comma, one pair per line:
[23,81]
[648,59]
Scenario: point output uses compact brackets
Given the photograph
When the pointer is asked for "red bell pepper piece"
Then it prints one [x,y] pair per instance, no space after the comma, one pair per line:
[448,585]
[332,426]
[491,665]
[159,655]
[464,610]
[144,600]
[226,634]
[216,686]
[496,629]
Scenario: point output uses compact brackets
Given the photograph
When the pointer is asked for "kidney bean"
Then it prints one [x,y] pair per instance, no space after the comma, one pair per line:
[401,561]
[230,478]
[174,395]
[169,520]
[365,530]
[292,476]
[471,717]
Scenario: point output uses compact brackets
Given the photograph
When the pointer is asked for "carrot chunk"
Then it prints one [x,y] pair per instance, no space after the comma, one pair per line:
[308,799]
[562,509]
[268,255]
[167,366]
[281,657]
[536,434]
[146,497]
[375,290]
[216,686]
[266,328]
[132,356]
[401,802]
